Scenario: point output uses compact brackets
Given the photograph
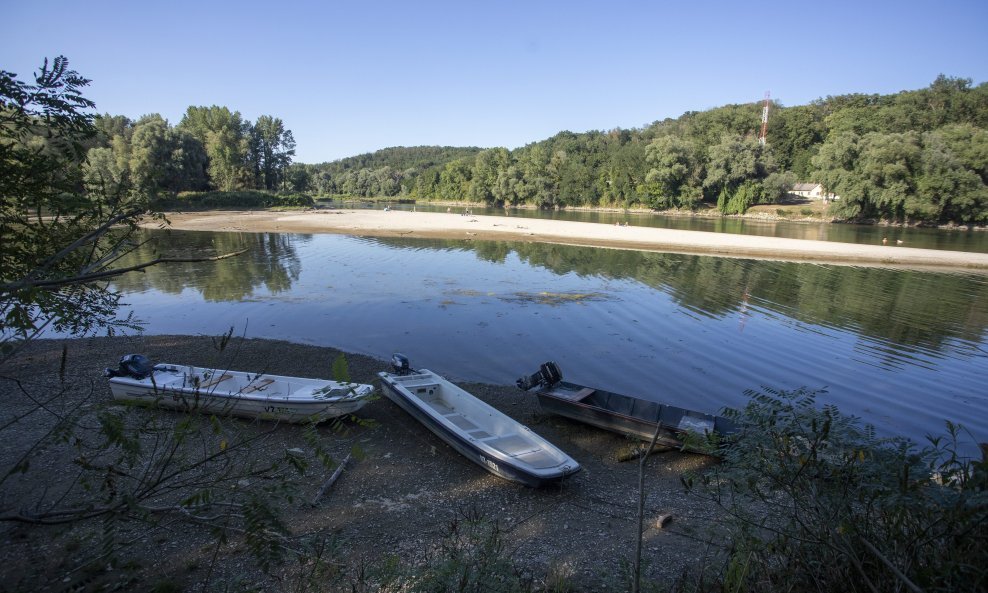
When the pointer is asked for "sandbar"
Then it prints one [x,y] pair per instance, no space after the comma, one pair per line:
[402,223]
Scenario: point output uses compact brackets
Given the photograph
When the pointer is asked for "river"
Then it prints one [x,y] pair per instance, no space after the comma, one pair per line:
[904,350]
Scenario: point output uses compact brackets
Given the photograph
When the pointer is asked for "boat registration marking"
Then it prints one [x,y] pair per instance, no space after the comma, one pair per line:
[489,463]
[279,410]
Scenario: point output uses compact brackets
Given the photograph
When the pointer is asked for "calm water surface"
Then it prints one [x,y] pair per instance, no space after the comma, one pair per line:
[904,350]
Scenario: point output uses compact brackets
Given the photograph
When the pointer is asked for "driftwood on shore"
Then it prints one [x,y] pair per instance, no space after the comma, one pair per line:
[329,483]
[636,451]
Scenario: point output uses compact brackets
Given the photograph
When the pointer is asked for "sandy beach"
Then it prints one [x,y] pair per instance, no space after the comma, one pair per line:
[501,228]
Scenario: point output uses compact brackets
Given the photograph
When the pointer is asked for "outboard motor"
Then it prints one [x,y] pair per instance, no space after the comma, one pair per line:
[399,363]
[547,376]
[136,366]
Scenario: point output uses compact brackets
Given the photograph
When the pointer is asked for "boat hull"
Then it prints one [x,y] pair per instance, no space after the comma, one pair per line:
[496,462]
[235,393]
[629,416]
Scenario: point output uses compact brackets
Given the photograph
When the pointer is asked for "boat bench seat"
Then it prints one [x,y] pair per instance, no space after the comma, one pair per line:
[427,384]
[461,421]
[583,393]
[165,381]
[573,396]
[216,381]
[512,445]
[434,401]
[258,386]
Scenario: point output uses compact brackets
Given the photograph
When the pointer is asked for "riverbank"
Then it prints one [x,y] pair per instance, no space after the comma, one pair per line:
[397,499]
[384,223]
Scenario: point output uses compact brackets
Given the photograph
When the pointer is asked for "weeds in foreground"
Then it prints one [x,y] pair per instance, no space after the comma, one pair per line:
[129,475]
[816,502]
[471,558]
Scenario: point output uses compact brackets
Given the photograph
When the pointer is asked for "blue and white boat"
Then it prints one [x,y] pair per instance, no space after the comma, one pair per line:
[478,431]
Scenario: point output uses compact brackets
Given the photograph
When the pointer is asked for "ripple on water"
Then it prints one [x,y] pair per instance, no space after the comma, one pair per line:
[905,350]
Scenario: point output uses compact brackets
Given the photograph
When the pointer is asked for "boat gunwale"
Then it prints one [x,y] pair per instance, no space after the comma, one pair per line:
[358,390]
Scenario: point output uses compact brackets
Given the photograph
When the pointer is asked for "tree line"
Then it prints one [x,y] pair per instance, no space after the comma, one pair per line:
[914,156]
[121,474]
[68,177]
[211,148]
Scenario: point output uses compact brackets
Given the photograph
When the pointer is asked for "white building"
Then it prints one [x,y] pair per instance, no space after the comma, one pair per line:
[812,191]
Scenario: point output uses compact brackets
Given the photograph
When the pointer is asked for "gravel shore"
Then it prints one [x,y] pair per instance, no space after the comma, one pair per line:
[397,499]
[369,222]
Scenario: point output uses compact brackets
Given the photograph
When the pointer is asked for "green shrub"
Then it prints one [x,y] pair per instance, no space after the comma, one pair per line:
[816,502]
[294,200]
[215,200]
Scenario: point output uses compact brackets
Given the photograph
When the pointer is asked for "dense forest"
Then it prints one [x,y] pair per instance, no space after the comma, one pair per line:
[914,156]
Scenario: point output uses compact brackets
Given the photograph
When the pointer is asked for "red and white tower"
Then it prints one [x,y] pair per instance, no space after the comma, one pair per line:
[761,137]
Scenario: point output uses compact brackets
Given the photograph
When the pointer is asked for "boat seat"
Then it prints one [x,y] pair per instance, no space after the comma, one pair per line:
[436,403]
[427,383]
[161,382]
[573,396]
[583,393]
[258,385]
[216,380]
[461,421]
[513,445]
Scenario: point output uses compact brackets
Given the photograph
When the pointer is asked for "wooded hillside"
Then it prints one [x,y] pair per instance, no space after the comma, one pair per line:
[914,156]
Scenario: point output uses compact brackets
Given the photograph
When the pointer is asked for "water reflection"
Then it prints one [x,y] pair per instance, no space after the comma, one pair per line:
[902,307]
[270,263]
[915,311]
[904,349]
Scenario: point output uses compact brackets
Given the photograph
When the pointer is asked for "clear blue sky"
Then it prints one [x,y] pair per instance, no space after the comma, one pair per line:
[356,76]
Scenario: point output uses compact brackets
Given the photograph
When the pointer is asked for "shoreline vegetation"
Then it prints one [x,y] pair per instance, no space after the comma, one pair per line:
[914,157]
[408,513]
[370,222]
[101,496]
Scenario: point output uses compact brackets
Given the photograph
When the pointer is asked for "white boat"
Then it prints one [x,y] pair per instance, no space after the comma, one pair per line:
[493,440]
[236,393]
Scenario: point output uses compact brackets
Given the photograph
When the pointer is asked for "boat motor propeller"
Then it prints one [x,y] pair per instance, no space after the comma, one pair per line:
[136,366]
[399,363]
[547,376]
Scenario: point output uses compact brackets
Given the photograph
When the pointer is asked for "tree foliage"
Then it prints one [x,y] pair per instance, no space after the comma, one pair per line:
[211,148]
[55,233]
[913,156]
[73,186]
